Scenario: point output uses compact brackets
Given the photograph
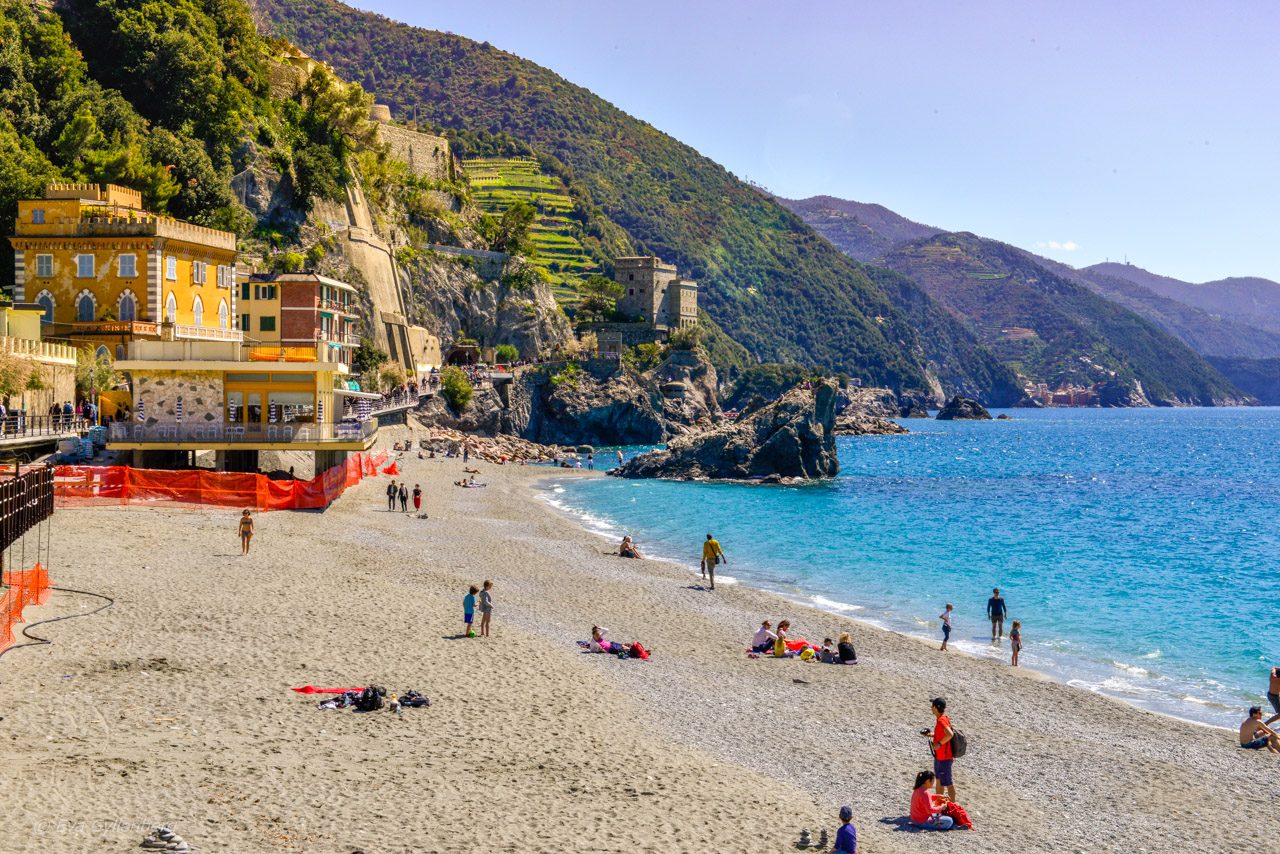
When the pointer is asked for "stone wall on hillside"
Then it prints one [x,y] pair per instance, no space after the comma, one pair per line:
[427,156]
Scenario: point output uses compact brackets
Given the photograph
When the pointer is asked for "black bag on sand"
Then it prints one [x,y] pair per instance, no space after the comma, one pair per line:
[370,699]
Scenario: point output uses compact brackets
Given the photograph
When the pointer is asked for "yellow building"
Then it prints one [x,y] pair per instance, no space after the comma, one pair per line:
[237,400]
[108,272]
[25,357]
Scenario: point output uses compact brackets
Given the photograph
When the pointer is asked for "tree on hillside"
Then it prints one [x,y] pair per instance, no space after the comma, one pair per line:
[367,357]
[455,387]
[597,297]
[511,235]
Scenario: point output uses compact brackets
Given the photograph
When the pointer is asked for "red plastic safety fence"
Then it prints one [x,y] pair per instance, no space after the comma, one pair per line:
[23,587]
[80,486]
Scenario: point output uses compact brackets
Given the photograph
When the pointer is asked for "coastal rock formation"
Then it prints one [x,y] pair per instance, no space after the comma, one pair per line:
[866,412]
[604,403]
[792,438]
[963,409]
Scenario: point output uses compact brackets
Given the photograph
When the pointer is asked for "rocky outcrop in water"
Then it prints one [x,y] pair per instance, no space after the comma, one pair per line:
[866,412]
[963,409]
[790,439]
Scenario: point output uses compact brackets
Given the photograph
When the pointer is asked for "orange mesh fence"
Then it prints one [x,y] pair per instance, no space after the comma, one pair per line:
[23,587]
[81,486]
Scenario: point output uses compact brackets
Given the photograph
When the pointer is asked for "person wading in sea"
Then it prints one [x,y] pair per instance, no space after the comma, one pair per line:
[995,613]
[712,554]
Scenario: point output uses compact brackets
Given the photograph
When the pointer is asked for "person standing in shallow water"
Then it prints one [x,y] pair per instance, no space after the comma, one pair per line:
[945,616]
[995,613]
[712,554]
[246,531]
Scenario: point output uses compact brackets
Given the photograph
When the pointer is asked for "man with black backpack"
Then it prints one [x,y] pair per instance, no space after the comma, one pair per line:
[946,744]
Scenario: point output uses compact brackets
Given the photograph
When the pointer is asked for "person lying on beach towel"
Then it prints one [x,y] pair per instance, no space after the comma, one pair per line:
[470,484]
[622,650]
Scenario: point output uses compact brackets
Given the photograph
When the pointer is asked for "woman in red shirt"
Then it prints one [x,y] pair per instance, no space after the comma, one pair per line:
[926,807]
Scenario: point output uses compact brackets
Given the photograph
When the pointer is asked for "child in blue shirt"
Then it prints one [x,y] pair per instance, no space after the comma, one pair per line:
[469,609]
[846,836]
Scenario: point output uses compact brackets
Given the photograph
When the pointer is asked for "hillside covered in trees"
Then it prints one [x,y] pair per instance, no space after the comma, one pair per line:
[769,280]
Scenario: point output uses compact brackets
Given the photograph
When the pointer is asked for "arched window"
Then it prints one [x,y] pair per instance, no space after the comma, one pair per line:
[45,300]
[197,311]
[86,307]
[102,352]
[128,307]
[171,308]
[224,315]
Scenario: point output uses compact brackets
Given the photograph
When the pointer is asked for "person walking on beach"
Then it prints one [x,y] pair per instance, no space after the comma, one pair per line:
[1255,735]
[246,531]
[392,492]
[486,607]
[1015,641]
[469,610]
[945,616]
[1273,695]
[404,498]
[940,744]
[846,836]
[417,498]
[712,554]
[995,613]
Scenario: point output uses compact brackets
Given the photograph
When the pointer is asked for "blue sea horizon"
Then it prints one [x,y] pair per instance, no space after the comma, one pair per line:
[1137,546]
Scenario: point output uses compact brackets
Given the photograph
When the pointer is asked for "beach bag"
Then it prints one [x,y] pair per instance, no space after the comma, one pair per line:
[638,651]
[959,744]
[370,699]
[957,813]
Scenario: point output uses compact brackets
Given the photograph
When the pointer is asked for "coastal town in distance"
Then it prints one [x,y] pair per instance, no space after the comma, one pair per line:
[457,430]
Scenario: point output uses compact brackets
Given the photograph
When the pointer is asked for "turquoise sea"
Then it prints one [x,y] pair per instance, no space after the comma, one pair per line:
[1138,547]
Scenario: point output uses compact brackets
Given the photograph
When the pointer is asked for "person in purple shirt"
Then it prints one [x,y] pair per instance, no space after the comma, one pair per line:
[846,836]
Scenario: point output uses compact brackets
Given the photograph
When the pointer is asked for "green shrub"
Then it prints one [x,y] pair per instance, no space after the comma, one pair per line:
[455,387]
[570,375]
[506,353]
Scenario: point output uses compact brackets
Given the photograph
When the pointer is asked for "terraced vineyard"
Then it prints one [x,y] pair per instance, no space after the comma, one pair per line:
[497,183]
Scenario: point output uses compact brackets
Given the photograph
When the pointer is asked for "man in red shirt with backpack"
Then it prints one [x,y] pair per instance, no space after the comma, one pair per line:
[940,744]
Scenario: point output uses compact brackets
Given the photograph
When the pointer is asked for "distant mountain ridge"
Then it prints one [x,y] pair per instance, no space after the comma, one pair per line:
[861,230]
[1052,329]
[1253,301]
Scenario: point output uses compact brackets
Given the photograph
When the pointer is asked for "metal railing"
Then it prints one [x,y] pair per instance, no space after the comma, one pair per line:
[228,433]
[400,399]
[19,426]
[275,353]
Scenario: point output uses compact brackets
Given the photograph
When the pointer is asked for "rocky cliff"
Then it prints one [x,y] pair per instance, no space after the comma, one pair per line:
[792,438]
[605,403]
[509,305]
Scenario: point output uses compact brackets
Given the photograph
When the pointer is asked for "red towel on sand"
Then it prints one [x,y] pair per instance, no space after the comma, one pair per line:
[311,689]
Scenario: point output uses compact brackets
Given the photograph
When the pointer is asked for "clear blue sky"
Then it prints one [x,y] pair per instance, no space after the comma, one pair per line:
[1084,131]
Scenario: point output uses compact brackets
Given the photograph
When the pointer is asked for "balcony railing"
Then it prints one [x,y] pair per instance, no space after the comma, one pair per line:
[40,351]
[298,433]
[340,307]
[339,337]
[269,353]
[108,327]
[205,333]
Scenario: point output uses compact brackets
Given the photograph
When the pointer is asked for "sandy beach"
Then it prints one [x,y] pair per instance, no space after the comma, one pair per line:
[174,706]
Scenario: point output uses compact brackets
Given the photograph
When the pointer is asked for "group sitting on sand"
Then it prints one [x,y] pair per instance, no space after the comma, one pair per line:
[779,645]
[470,483]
